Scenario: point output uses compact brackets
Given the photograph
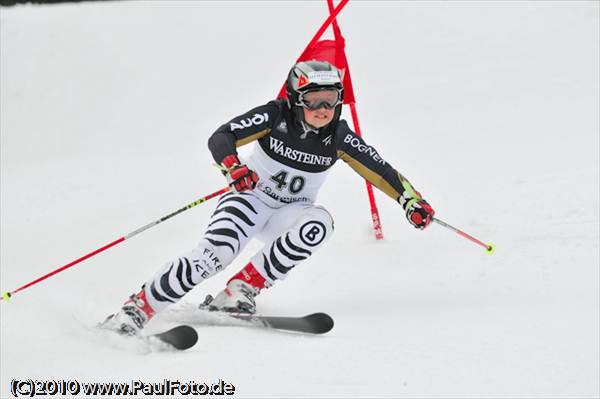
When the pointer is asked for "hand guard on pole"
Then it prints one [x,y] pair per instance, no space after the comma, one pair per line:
[239,177]
[418,211]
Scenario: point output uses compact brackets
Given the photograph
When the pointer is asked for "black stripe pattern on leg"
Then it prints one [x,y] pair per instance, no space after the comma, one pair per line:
[232,222]
[241,201]
[294,247]
[235,212]
[288,254]
[179,276]
[183,275]
[226,233]
[225,227]
[157,295]
[283,256]
[166,287]
[267,268]
[188,273]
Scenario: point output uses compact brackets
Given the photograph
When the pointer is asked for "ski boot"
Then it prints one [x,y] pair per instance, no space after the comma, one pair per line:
[238,296]
[133,316]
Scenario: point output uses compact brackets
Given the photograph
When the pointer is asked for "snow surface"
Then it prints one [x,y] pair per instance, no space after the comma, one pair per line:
[490,109]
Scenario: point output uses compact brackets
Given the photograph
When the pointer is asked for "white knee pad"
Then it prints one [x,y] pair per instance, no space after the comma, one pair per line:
[314,227]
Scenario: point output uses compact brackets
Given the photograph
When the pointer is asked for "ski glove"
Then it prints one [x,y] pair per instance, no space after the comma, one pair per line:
[418,212]
[239,177]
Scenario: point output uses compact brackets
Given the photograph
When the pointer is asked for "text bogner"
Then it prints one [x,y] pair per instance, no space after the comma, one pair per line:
[278,147]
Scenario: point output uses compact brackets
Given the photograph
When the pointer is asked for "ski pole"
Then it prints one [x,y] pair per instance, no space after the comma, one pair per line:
[8,294]
[489,247]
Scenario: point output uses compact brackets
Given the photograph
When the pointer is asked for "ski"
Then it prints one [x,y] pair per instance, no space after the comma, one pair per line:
[316,323]
[177,338]
[181,337]
[193,314]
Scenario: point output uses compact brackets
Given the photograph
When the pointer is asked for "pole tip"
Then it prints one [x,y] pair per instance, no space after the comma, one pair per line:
[6,296]
[490,248]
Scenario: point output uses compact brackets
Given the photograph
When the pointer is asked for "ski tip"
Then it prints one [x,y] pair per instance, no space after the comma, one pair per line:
[189,337]
[181,337]
[322,321]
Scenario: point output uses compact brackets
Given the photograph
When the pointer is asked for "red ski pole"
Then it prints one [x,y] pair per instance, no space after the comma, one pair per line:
[489,247]
[8,294]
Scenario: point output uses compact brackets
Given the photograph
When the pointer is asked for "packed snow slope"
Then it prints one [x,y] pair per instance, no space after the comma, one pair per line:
[489,108]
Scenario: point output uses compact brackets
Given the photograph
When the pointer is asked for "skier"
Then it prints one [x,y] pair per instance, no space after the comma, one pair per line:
[272,197]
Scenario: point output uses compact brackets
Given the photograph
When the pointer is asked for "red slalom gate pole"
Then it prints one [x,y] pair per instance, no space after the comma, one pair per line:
[489,247]
[7,295]
[333,14]
[374,211]
[333,11]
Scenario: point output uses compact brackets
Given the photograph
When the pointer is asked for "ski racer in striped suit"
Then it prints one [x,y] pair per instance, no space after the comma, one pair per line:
[272,198]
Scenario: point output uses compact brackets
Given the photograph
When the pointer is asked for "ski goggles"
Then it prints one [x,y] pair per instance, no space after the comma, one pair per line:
[314,100]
